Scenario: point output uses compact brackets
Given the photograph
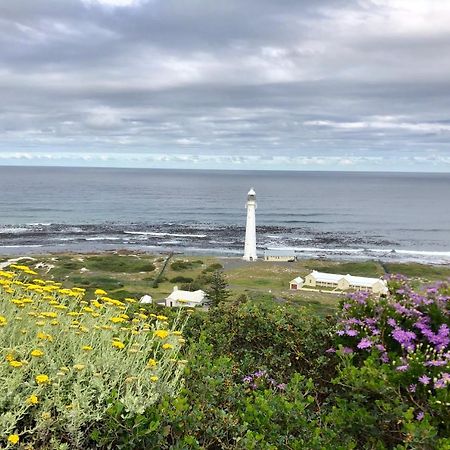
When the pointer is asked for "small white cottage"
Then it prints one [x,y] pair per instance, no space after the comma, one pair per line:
[146,299]
[296,283]
[179,298]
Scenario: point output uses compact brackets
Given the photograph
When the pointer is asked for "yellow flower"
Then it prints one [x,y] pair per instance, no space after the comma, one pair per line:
[9,357]
[44,336]
[37,353]
[153,378]
[161,333]
[117,319]
[79,366]
[161,317]
[87,348]
[13,439]
[167,346]
[118,344]
[100,292]
[15,364]
[32,400]
[152,362]
[42,379]
[3,321]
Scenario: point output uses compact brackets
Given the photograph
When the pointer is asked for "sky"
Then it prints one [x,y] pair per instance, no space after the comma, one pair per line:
[237,84]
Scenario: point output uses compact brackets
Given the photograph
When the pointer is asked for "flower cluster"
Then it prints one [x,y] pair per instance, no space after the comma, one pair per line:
[408,331]
[261,379]
[63,355]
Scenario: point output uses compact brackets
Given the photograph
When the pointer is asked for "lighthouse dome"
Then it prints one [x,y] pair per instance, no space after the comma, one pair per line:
[251,194]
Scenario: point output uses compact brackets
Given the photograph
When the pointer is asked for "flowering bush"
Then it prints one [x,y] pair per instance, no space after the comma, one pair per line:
[65,361]
[401,346]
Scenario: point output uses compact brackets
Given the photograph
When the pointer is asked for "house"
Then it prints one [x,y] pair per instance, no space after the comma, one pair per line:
[296,283]
[346,282]
[146,299]
[279,255]
[179,298]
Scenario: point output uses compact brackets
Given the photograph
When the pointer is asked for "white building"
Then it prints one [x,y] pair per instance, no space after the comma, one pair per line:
[179,298]
[345,282]
[250,229]
[279,255]
[296,283]
[146,299]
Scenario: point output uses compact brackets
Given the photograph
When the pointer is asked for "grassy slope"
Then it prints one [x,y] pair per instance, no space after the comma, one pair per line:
[126,274]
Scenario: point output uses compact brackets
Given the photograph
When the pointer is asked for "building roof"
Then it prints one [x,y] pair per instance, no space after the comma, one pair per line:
[297,280]
[279,252]
[187,296]
[355,281]
[326,277]
[363,281]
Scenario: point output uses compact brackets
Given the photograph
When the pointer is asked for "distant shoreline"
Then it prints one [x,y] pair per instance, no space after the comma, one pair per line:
[38,253]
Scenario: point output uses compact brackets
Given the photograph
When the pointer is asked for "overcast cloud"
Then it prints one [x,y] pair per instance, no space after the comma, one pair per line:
[264,84]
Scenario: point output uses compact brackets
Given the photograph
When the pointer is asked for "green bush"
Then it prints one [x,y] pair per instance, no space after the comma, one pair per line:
[181,279]
[119,264]
[179,265]
[280,339]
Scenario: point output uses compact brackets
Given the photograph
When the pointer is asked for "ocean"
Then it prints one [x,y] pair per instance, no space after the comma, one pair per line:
[339,215]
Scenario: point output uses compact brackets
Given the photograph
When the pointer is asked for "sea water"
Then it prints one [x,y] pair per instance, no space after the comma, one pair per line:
[348,215]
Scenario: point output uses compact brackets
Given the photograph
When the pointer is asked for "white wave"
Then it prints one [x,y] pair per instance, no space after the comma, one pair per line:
[103,238]
[159,234]
[21,246]
[38,224]
[13,230]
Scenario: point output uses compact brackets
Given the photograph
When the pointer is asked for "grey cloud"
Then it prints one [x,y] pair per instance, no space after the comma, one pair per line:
[287,79]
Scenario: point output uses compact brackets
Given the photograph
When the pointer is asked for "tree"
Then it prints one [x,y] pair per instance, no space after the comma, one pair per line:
[218,288]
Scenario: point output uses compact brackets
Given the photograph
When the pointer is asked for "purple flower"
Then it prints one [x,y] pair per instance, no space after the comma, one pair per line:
[347,350]
[392,322]
[340,332]
[412,388]
[440,384]
[247,379]
[424,379]
[380,347]
[330,350]
[436,363]
[420,415]
[404,338]
[364,343]
[281,386]
[403,368]
[384,358]
[351,332]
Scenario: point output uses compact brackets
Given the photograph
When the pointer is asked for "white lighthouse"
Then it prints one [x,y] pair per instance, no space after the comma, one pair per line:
[250,229]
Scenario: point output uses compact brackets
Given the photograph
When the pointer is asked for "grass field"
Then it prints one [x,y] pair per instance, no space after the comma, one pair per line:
[125,274]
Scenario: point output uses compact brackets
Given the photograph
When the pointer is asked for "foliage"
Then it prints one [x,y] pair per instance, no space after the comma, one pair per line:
[217,291]
[181,279]
[396,358]
[213,268]
[119,263]
[65,362]
[279,339]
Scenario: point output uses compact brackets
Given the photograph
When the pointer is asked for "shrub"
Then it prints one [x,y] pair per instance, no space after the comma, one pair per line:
[119,264]
[213,268]
[65,362]
[179,265]
[280,339]
[181,279]
[395,357]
